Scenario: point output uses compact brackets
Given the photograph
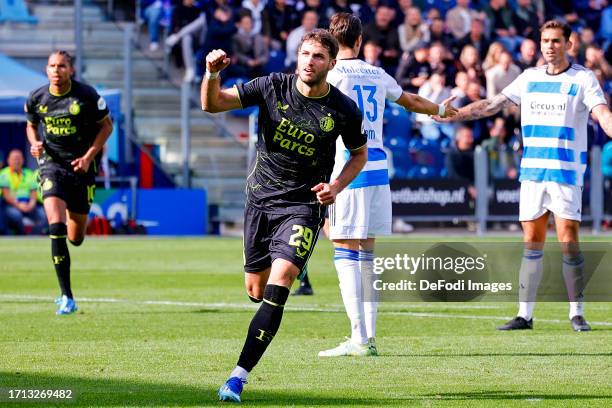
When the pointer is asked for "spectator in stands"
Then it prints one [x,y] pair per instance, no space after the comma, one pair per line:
[309,23]
[384,34]
[501,75]
[595,61]
[575,57]
[154,11]
[587,37]
[528,56]
[526,21]
[2,210]
[318,7]
[501,162]
[439,62]
[438,34]
[564,11]
[259,14]
[337,6]
[461,85]
[401,10]
[475,92]
[476,37]
[283,18]
[459,19]
[590,12]
[19,192]
[183,15]
[460,158]
[501,26]
[492,57]
[435,90]
[249,48]
[469,62]
[367,11]
[413,31]
[371,53]
[219,33]
[413,70]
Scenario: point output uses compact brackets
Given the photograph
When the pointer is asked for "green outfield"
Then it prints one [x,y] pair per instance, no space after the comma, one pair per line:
[161,323]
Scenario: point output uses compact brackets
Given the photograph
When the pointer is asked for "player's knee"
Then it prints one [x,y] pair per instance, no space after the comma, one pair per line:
[77,241]
[255,293]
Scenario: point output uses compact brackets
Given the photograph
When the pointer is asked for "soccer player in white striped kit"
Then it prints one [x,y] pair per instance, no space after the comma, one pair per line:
[363,210]
[555,101]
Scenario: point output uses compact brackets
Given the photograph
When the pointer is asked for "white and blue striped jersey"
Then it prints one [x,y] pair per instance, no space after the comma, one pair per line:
[554,114]
[369,87]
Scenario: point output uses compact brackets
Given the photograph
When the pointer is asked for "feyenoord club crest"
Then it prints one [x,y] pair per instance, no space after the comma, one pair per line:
[326,123]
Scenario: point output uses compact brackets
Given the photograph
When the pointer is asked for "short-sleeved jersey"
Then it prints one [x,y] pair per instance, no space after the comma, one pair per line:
[70,121]
[296,142]
[369,87]
[20,185]
[554,114]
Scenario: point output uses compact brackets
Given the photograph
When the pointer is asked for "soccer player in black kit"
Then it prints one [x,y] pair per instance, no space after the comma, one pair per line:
[75,123]
[300,118]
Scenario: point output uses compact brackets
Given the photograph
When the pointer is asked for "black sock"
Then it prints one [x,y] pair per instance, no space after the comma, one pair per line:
[60,256]
[264,326]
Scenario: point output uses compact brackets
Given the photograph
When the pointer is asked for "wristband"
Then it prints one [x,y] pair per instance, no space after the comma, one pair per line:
[212,75]
[441,110]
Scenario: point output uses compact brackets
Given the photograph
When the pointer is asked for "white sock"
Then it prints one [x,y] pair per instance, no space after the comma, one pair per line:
[573,274]
[349,276]
[366,265]
[530,275]
[239,372]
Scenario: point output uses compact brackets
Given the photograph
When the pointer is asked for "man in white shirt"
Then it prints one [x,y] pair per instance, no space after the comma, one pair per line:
[555,101]
[363,210]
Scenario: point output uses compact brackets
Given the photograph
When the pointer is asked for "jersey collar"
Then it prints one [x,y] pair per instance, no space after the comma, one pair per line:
[62,94]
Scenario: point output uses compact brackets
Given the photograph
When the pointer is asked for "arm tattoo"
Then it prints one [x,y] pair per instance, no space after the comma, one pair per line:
[484,108]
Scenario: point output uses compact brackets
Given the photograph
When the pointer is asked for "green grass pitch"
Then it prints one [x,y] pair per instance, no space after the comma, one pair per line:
[161,323]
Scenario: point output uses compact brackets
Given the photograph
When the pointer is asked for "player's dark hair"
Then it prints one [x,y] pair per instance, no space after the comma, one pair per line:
[556,24]
[346,28]
[324,38]
[66,55]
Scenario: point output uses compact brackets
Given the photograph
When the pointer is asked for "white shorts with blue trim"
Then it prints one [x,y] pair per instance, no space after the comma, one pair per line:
[361,213]
[538,197]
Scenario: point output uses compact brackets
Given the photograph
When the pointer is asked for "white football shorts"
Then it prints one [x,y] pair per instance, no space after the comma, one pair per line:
[537,197]
[361,213]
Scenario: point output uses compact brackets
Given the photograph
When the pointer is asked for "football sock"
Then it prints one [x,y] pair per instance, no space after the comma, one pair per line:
[60,256]
[530,275]
[349,276]
[370,308]
[264,326]
[239,372]
[573,274]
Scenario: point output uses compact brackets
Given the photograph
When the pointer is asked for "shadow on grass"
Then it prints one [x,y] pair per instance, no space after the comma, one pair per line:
[104,392]
[518,354]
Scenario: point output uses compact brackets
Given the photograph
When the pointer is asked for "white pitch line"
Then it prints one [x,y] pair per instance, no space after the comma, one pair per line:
[238,306]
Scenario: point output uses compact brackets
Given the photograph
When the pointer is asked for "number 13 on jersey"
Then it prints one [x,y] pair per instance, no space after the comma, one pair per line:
[371,110]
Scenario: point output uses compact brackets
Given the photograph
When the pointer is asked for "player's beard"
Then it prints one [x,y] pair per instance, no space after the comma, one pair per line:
[315,79]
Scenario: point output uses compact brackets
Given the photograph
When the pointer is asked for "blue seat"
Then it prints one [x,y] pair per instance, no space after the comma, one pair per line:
[397,122]
[276,63]
[15,11]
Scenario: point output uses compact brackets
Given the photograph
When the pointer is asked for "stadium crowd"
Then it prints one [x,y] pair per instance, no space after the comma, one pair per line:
[435,48]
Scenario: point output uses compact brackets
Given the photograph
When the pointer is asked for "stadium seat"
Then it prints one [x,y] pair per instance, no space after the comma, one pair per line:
[276,63]
[397,121]
[15,11]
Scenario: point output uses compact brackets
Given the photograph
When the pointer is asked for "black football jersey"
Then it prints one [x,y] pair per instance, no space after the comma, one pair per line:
[296,142]
[70,122]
